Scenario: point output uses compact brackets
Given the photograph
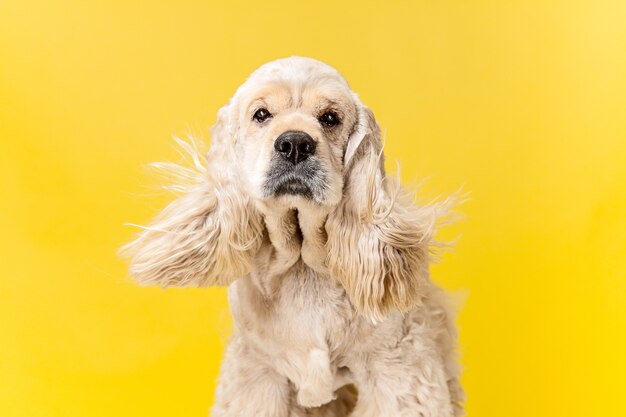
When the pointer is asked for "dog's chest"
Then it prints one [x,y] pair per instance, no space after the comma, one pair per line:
[305,310]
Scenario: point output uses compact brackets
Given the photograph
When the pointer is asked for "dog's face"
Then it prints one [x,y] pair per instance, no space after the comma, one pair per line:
[294,136]
[292,123]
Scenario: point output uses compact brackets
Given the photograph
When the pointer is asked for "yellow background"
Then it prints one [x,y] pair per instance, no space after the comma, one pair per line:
[523,102]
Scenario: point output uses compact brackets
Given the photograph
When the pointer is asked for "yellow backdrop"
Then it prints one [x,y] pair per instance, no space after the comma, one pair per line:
[523,102]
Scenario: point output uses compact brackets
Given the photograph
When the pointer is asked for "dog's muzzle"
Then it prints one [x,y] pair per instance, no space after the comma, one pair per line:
[294,167]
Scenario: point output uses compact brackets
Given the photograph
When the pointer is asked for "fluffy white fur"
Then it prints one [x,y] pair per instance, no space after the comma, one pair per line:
[334,310]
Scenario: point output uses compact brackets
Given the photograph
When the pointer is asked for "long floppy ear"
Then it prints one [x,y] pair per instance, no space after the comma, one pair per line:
[207,236]
[378,238]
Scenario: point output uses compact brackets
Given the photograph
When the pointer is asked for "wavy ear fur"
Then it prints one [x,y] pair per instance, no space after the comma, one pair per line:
[378,238]
[209,235]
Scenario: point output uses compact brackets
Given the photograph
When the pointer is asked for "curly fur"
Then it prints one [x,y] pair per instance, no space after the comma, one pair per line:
[379,218]
[206,237]
[335,313]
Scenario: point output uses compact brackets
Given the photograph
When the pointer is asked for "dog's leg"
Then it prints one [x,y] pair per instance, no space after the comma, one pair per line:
[342,406]
[315,387]
[439,305]
[408,380]
[248,388]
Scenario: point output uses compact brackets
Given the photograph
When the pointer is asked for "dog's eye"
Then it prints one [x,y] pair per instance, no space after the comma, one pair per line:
[329,119]
[262,115]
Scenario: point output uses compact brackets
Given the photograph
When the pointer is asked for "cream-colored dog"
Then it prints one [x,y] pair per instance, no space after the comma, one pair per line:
[326,257]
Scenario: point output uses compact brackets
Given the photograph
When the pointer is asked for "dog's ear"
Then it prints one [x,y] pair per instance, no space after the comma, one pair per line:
[208,235]
[378,238]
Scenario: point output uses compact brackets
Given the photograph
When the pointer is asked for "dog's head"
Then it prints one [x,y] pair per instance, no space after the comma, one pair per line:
[291,124]
[294,133]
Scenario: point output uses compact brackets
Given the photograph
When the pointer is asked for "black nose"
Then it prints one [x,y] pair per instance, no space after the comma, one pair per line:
[295,146]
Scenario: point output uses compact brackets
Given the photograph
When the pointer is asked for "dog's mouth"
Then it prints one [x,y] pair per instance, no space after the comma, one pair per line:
[294,187]
[304,180]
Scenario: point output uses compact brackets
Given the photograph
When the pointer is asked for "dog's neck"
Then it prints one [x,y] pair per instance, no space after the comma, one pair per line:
[291,234]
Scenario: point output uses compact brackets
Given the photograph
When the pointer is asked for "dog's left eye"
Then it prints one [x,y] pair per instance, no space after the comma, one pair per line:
[262,115]
[329,119]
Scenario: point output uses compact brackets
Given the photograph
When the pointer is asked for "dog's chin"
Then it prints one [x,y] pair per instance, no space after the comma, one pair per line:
[293,192]
[294,188]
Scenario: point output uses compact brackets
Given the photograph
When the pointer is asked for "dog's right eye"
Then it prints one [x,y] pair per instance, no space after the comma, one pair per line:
[262,115]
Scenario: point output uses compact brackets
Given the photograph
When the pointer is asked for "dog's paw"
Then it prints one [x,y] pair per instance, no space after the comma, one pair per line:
[310,397]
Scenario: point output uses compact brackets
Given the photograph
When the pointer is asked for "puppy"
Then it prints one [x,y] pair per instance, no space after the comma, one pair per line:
[326,258]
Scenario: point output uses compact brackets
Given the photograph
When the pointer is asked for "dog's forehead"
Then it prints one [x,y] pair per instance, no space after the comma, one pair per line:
[296,70]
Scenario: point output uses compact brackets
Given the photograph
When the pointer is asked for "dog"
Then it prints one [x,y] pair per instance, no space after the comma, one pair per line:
[325,256]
